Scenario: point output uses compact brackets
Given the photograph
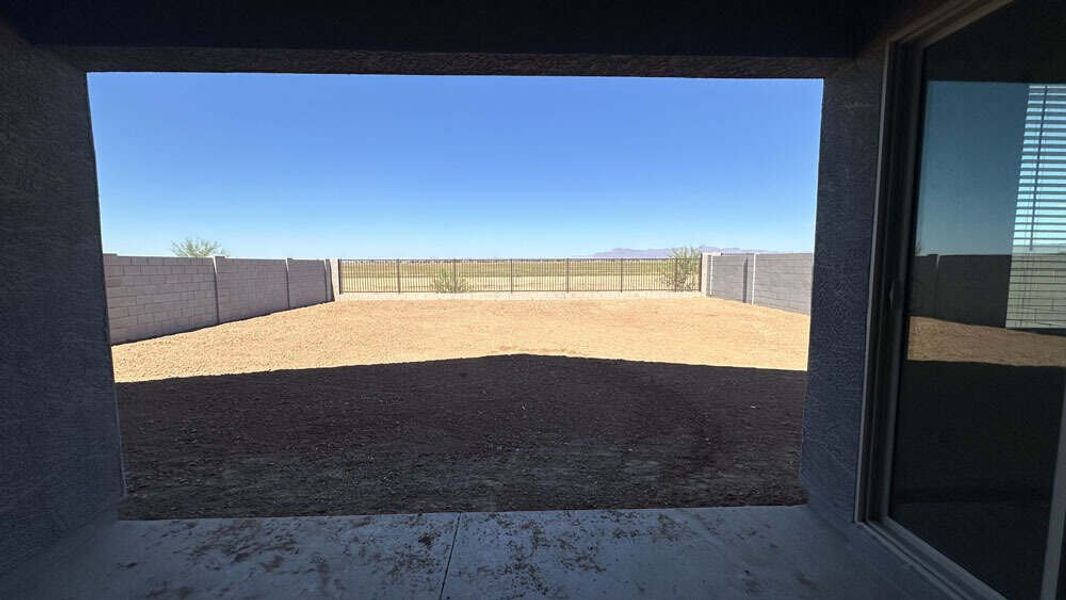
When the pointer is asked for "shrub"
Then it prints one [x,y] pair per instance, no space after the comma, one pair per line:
[681,271]
[448,281]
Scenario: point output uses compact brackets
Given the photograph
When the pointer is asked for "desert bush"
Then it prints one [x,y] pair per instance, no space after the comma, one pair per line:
[447,281]
[197,248]
[681,272]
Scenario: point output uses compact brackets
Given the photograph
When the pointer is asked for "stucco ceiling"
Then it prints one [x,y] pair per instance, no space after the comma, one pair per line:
[755,28]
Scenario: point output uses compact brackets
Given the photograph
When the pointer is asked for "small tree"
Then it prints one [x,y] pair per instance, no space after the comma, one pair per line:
[681,271]
[197,248]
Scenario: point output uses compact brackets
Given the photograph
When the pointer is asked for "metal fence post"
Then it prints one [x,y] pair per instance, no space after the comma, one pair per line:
[621,275]
[568,275]
[398,288]
[512,274]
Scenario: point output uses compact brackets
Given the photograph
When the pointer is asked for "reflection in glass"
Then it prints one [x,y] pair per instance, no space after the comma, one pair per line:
[1038,256]
[983,380]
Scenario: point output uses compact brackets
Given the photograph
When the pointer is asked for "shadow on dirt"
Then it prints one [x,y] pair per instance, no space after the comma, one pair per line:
[516,432]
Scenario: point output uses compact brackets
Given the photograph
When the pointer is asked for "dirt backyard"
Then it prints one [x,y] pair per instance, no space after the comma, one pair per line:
[419,406]
[695,331]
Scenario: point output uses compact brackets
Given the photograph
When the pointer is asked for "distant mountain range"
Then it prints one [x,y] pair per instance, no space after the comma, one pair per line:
[661,252]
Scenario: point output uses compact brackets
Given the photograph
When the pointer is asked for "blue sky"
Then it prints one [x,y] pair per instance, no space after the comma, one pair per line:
[409,166]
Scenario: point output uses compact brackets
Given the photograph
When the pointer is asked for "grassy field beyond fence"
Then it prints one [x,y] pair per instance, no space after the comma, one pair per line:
[679,274]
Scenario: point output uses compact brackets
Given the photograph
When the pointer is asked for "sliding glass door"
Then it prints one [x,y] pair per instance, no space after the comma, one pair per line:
[974,465]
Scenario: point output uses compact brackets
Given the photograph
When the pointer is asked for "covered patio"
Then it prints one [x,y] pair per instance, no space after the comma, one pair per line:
[62,475]
[721,553]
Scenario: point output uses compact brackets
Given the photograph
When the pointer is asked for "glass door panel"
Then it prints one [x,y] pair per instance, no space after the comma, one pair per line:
[983,376]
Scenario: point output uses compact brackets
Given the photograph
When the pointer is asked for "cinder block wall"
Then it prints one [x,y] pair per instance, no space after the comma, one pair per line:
[60,459]
[156,295]
[964,288]
[731,277]
[149,296]
[250,287]
[308,282]
[783,281]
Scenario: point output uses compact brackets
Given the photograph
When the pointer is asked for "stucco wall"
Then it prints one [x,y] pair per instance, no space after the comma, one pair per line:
[833,411]
[847,189]
[731,277]
[308,282]
[60,460]
[783,281]
[156,295]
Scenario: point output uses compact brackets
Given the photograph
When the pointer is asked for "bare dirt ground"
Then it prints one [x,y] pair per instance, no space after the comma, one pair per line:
[937,340]
[303,414]
[485,434]
[699,331]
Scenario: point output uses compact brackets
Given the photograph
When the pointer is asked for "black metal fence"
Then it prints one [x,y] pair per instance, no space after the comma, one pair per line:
[462,275]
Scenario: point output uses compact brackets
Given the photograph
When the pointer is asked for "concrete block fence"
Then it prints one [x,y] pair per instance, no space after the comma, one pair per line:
[251,287]
[149,296]
[774,280]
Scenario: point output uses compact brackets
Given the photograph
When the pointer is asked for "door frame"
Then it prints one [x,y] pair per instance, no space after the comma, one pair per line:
[894,222]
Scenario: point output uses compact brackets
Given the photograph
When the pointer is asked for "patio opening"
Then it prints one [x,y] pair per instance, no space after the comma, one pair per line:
[508,294]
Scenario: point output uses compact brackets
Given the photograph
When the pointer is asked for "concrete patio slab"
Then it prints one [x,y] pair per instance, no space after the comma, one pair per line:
[384,557]
[719,553]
